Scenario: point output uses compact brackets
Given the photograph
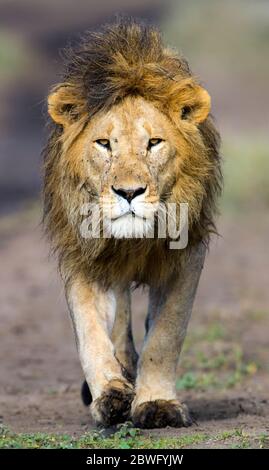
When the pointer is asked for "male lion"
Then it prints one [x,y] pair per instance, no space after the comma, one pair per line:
[130,130]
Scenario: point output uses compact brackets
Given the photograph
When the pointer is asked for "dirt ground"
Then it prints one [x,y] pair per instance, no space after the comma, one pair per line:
[40,371]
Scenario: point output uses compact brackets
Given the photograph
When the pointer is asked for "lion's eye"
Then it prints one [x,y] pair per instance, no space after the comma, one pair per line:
[104,143]
[154,142]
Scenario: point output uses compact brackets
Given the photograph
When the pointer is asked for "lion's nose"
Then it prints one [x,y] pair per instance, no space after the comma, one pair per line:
[130,193]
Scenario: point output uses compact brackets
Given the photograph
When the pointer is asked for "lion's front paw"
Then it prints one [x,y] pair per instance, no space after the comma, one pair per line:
[161,413]
[114,405]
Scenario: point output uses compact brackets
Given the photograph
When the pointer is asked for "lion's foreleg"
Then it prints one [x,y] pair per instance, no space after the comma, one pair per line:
[93,311]
[122,336]
[156,403]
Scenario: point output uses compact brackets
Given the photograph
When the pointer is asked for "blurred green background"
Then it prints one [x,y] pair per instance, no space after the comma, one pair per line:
[226,44]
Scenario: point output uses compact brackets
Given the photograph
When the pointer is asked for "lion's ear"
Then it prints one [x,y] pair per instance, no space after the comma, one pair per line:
[197,106]
[64,105]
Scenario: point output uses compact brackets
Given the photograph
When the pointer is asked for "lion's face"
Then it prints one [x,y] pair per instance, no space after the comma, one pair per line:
[127,154]
[130,158]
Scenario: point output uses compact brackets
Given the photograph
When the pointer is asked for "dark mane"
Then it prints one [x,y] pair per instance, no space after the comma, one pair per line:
[127,57]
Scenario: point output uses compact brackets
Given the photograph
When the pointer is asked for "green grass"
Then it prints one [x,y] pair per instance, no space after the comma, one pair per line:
[212,358]
[220,372]
[128,437]
[210,333]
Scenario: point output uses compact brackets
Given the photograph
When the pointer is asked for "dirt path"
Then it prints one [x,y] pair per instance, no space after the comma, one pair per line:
[40,372]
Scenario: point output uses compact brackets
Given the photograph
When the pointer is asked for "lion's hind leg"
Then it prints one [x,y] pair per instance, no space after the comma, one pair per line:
[122,336]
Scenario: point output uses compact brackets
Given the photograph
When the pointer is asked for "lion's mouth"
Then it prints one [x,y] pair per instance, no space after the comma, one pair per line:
[128,214]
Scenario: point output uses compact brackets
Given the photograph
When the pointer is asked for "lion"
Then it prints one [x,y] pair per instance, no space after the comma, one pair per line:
[131,130]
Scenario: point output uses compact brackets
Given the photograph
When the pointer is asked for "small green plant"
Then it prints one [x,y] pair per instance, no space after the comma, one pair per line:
[126,430]
[263,441]
[201,381]
[215,332]
[187,381]
[213,361]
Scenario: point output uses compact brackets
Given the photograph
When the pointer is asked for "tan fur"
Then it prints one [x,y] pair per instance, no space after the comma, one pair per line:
[124,87]
[122,336]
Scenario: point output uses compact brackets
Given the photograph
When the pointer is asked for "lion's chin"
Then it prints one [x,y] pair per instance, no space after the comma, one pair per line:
[128,226]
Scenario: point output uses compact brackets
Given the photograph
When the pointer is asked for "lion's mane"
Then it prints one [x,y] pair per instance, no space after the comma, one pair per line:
[125,58]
